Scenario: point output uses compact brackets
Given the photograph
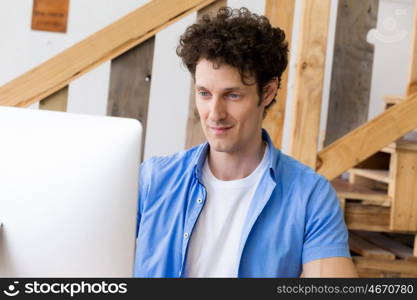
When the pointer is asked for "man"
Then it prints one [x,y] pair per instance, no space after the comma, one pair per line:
[236,206]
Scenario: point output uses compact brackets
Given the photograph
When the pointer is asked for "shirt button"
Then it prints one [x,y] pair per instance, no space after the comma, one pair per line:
[199,200]
[186,235]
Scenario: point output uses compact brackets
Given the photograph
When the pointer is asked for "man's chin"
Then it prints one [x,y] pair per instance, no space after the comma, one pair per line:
[220,146]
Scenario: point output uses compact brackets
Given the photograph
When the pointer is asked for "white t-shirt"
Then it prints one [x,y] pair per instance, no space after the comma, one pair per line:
[214,244]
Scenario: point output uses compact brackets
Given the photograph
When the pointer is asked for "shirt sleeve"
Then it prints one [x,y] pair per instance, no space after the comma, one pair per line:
[326,234]
[144,175]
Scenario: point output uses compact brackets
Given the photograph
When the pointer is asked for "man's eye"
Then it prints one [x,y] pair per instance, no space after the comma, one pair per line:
[203,93]
[234,96]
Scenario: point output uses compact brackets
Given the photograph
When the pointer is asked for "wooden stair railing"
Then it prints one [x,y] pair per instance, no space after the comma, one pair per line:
[98,48]
[361,143]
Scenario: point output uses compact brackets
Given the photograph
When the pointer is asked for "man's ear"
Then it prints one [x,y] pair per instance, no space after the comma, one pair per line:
[270,91]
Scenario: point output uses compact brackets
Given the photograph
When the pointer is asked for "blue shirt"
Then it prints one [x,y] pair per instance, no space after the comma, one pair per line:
[294,217]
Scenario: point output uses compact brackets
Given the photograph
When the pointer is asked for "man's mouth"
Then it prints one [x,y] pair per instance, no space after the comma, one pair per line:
[218,130]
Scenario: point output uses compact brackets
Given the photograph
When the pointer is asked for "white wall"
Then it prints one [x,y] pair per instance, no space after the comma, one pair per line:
[22,49]
[257,6]
[392,39]
[170,94]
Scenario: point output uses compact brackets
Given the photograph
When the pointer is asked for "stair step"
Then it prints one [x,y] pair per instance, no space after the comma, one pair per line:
[346,190]
[379,175]
[400,250]
[367,217]
[366,249]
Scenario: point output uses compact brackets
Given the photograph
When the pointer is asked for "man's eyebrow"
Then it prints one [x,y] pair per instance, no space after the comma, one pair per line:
[234,88]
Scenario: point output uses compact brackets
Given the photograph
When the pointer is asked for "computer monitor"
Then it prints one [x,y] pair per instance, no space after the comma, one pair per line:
[68,194]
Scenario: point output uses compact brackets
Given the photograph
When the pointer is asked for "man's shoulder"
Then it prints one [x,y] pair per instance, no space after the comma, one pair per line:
[181,160]
[294,172]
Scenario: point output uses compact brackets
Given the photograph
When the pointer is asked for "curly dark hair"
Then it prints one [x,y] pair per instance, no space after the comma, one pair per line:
[238,38]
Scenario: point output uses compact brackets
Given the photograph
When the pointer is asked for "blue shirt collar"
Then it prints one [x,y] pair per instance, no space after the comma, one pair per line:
[273,156]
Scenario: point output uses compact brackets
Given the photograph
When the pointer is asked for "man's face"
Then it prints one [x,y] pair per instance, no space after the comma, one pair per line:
[229,110]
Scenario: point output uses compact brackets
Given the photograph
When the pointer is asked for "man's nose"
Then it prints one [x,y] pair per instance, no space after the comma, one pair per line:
[217,109]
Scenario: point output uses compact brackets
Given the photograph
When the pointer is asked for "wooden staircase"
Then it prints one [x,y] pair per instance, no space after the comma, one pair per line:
[387,179]
[382,255]
[379,198]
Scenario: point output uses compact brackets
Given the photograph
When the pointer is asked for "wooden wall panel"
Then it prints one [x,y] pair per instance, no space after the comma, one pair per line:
[404,205]
[309,78]
[281,14]
[352,67]
[195,134]
[130,82]
[58,101]
[412,78]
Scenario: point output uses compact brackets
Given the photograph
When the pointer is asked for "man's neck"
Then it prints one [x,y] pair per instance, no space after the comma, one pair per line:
[236,165]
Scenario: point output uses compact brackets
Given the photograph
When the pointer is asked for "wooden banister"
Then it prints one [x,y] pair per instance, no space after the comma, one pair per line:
[98,48]
[368,139]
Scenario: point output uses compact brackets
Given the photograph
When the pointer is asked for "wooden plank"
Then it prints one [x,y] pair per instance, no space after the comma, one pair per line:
[404,205]
[391,100]
[389,149]
[404,275]
[412,77]
[104,45]
[368,183]
[346,190]
[58,101]
[194,131]
[366,249]
[366,273]
[400,250]
[352,67]
[309,80]
[281,14]
[403,238]
[355,146]
[130,84]
[367,217]
[412,258]
[380,175]
[394,266]
[393,170]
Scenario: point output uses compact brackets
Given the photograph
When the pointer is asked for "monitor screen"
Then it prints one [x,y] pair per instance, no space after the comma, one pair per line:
[68,194]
